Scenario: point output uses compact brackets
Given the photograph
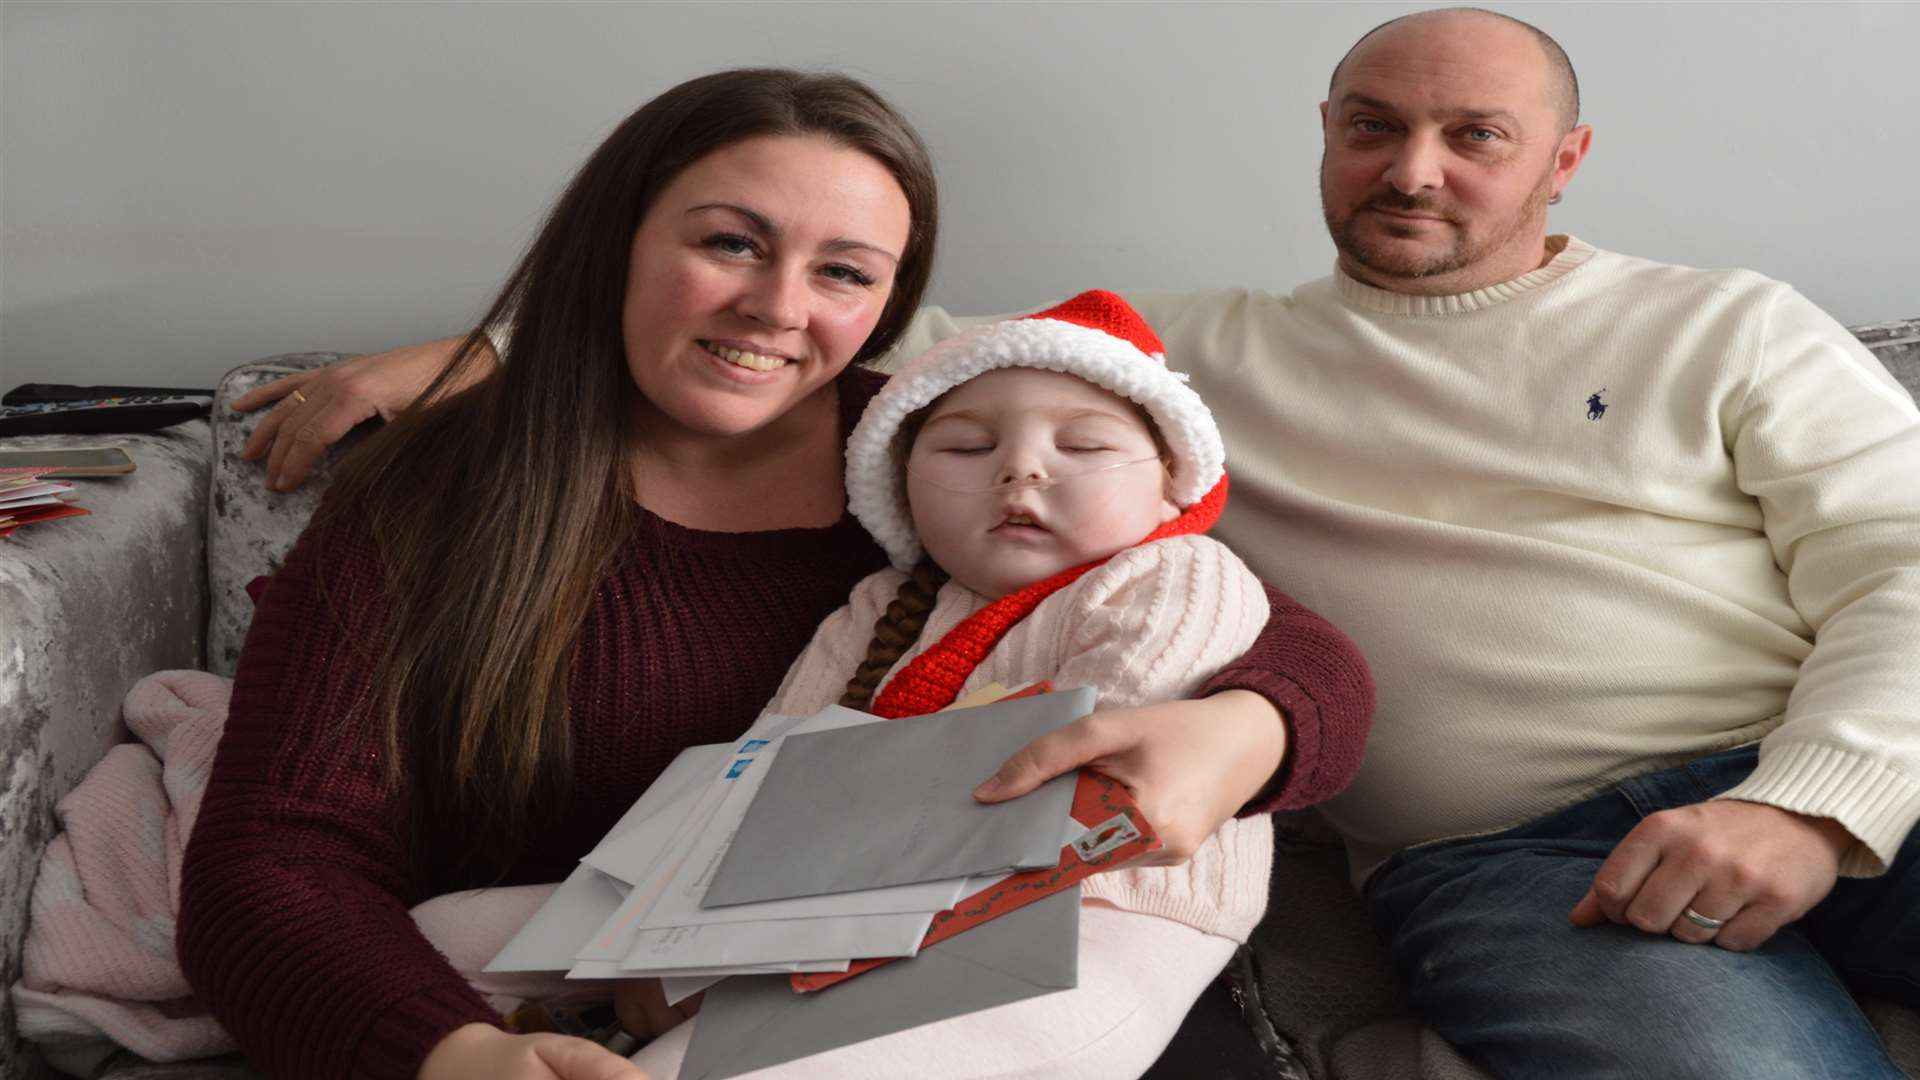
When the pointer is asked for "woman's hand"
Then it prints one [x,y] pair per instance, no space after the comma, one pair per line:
[317,408]
[641,1007]
[1191,765]
[484,1052]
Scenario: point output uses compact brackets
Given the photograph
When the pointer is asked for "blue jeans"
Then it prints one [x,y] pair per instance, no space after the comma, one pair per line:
[1479,929]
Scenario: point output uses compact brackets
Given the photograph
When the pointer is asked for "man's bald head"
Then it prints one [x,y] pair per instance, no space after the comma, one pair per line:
[1562,83]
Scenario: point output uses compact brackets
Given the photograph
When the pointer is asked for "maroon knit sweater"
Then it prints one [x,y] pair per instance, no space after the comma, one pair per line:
[294,929]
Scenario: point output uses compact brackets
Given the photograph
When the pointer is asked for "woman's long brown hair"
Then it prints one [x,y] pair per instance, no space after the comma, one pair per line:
[498,510]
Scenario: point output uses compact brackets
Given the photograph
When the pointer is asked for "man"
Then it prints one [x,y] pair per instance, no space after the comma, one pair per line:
[1634,552]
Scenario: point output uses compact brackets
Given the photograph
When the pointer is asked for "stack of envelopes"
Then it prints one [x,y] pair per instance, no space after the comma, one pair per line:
[814,849]
[25,499]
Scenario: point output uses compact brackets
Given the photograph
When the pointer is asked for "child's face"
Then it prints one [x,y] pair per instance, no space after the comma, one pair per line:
[1019,424]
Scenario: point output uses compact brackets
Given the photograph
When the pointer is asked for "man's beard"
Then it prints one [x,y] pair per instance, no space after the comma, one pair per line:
[1392,260]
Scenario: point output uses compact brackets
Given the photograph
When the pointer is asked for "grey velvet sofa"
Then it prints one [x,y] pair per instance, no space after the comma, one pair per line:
[154,579]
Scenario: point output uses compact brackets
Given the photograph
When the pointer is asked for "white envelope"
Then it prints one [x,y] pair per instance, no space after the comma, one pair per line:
[680,988]
[615,935]
[778,941]
[633,850]
[645,833]
[601,969]
[548,941]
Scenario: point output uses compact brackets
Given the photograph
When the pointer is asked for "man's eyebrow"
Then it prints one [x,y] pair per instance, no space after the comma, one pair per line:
[1459,112]
[766,227]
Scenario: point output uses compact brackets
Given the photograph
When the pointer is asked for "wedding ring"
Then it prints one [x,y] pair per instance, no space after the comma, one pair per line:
[1702,921]
[298,397]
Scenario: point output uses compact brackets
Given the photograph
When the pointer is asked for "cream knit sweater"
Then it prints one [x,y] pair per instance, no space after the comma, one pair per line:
[1151,625]
[1553,597]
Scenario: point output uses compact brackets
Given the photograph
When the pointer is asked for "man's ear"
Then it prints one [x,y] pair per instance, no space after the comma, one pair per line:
[1569,154]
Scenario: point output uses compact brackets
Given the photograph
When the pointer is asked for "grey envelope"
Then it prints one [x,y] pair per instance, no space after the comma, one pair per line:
[892,803]
[751,1022]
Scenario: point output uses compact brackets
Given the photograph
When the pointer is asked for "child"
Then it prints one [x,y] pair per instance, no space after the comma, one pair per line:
[1041,486]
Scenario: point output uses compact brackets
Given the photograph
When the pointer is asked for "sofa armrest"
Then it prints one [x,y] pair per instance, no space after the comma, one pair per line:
[88,606]
[1897,345]
[250,529]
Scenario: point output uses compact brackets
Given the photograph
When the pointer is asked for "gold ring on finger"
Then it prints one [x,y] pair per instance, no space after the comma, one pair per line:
[298,397]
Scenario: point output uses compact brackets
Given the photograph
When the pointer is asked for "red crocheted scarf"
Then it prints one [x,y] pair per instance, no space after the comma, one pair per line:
[933,679]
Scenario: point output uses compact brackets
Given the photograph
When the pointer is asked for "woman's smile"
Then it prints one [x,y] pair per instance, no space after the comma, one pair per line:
[752,359]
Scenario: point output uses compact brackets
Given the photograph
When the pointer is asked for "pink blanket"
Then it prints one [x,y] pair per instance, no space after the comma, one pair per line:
[99,968]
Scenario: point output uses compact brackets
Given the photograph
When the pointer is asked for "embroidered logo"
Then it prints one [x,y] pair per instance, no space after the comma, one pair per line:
[1595,407]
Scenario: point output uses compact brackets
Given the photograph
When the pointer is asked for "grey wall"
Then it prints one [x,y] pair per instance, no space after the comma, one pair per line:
[185,186]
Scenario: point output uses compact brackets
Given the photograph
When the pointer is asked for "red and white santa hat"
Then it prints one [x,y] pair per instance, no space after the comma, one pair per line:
[1097,336]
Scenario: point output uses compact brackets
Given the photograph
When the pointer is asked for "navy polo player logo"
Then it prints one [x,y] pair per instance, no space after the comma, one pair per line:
[1595,407]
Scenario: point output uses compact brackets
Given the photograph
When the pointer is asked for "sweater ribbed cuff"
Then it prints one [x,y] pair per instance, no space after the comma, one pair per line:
[406,1031]
[1299,713]
[1878,805]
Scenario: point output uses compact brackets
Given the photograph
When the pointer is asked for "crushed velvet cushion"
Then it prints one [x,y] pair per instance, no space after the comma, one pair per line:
[1897,344]
[250,529]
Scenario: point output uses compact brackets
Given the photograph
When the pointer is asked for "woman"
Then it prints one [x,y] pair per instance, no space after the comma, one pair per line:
[518,604]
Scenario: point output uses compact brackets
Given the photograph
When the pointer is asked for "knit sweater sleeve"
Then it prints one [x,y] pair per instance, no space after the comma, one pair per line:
[1320,683]
[1829,445]
[294,928]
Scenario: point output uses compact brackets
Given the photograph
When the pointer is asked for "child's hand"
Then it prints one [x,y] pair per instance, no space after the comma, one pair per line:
[1189,764]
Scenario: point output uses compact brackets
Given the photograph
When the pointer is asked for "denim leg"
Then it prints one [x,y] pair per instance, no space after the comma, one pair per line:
[1869,928]
[1479,929]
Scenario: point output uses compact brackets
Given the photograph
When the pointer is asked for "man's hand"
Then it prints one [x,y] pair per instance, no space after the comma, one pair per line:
[1189,764]
[1753,866]
[317,408]
[642,1009]
[484,1052]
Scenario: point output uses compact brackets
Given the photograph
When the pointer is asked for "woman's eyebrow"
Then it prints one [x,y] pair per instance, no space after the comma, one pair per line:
[767,228]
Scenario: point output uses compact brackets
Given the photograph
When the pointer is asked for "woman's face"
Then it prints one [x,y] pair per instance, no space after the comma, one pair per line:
[755,277]
[1021,473]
